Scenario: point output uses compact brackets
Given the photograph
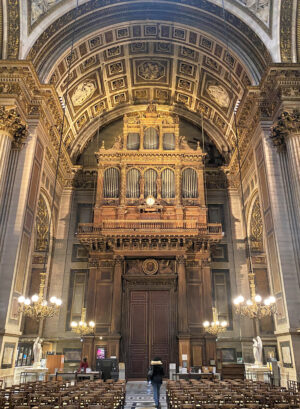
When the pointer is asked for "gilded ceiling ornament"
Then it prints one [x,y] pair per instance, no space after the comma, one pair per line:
[40,7]
[151,70]
[219,94]
[83,92]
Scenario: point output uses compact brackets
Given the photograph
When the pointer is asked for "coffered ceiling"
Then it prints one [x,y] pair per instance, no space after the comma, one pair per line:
[189,56]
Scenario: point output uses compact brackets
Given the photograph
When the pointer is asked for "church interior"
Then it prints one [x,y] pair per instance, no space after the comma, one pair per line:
[150,190]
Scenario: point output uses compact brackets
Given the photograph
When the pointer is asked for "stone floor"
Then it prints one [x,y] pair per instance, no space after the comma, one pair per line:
[139,395]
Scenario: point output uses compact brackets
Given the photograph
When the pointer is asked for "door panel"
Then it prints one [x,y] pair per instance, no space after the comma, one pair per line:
[149,331]
[138,334]
[160,326]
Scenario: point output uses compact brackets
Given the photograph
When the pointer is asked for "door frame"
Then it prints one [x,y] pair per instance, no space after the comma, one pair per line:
[149,283]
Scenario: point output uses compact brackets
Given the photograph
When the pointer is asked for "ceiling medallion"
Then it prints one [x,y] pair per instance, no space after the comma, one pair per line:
[150,267]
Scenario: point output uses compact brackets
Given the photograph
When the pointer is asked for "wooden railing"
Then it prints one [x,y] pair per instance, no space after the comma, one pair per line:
[150,225]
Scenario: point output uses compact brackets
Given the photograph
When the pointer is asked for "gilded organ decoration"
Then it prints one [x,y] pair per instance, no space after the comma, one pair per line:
[42,226]
[83,92]
[133,169]
[111,183]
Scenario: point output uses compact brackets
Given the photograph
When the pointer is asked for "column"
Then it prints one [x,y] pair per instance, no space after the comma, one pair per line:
[184,343]
[286,134]
[10,129]
[178,186]
[60,272]
[243,329]
[182,302]
[5,146]
[276,182]
[117,297]
[122,192]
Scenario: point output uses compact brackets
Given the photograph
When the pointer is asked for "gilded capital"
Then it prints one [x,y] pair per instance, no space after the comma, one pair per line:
[10,121]
[288,124]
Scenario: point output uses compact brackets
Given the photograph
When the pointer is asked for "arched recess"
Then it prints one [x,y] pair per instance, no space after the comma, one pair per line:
[42,253]
[256,239]
[83,138]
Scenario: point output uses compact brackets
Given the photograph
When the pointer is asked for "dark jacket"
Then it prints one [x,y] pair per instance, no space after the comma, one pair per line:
[158,372]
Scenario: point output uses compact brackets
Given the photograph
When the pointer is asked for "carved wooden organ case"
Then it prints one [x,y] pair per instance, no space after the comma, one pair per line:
[150,232]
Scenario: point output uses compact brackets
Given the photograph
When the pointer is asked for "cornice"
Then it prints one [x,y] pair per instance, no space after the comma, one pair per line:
[19,82]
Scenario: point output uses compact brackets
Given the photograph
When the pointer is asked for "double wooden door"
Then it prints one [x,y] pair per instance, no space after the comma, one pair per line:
[149,332]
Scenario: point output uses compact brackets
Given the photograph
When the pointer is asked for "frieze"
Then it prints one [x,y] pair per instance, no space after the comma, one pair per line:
[140,266]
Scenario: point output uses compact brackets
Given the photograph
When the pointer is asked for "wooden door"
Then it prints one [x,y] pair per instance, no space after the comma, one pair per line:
[149,331]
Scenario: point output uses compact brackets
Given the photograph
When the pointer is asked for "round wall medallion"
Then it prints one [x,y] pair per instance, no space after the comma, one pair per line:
[150,266]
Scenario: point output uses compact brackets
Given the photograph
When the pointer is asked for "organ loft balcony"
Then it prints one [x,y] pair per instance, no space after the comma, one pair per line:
[150,190]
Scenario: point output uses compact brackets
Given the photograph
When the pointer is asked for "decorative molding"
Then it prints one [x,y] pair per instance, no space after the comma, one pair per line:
[286,30]
[13,34]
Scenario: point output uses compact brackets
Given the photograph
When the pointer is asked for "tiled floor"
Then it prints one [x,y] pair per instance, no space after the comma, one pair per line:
[139,395]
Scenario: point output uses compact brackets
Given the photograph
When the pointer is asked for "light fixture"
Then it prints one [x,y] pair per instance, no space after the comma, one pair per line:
[255,307]
[215,327]
[37,307]
[150,200]
[83,328]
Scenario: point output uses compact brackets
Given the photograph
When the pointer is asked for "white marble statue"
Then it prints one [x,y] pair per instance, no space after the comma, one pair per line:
[37,351]
[257,351]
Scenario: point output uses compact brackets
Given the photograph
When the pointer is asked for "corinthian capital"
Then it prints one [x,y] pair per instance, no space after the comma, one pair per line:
[10,121]
[288,124]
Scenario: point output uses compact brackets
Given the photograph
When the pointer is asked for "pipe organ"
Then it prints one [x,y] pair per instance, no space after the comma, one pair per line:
[147,254]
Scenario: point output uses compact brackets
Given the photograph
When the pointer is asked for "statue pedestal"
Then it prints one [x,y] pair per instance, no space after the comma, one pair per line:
[23,374]
[259,373]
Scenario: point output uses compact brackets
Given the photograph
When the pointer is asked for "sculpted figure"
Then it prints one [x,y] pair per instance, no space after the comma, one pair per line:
[183,143]
[118,144]
[257,350]
[37,350]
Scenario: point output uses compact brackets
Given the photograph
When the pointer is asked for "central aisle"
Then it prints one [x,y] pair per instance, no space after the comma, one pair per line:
[139,395]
